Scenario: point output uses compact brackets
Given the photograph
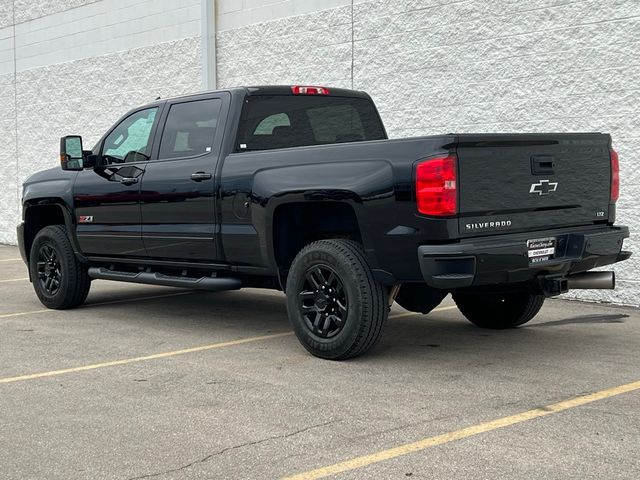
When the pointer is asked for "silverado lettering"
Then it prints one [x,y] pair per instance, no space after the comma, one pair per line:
[476,226]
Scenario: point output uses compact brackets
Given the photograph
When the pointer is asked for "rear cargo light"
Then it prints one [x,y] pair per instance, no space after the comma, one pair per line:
[436,186]
[615,176]
[309,90]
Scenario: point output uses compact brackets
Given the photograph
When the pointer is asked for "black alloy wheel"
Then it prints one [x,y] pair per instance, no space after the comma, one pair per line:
[59,279]
[49,269]
[336,306]
[323,301]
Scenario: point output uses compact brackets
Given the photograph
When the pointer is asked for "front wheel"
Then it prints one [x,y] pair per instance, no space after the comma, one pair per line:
[59,279]
[499,310]
[336,307]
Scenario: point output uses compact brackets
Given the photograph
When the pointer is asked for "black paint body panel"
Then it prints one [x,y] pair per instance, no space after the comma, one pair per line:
[373,178]
[115,209]
[498,172]
[504,260]
[227,221]
[178,214]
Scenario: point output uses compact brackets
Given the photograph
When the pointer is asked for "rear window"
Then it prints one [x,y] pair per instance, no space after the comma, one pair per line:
[282,121]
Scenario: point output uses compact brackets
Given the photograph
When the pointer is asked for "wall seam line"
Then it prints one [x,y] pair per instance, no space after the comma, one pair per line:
[15,103]
[352,44]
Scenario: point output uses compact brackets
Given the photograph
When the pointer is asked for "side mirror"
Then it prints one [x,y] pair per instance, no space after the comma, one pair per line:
[91,160]
[71,154]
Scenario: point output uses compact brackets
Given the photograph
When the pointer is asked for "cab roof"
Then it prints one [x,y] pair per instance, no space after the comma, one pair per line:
[278,90]
[295,90]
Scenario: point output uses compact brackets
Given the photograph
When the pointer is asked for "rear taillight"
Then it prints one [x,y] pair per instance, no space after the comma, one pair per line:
[436,186]
[309,90]
[615,176]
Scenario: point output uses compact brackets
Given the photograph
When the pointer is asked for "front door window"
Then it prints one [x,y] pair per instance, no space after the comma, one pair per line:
[130,141]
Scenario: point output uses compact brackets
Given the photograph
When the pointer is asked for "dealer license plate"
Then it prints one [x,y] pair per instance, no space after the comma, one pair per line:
[541,249]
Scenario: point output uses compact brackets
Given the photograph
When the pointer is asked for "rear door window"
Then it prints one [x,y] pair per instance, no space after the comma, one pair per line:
[283,121]
[190,129]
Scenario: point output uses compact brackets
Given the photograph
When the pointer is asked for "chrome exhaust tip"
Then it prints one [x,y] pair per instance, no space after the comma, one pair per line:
[592,280]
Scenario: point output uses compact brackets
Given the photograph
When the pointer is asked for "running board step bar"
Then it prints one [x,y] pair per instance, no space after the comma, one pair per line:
[214,284]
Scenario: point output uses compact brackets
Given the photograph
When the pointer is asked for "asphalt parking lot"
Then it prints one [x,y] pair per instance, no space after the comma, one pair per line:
[152,382]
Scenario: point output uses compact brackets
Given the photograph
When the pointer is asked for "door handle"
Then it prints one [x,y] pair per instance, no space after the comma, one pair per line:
[200,176]
[128,180]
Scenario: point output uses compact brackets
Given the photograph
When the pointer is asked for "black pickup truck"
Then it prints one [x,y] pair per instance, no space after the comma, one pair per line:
[298,188]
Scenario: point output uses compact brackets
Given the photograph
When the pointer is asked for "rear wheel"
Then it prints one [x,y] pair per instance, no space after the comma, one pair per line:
[59,279]
[499,310]
[336,307]
[419,297]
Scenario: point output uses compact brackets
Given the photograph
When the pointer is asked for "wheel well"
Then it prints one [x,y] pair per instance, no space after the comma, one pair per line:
[38,217]
[298,224]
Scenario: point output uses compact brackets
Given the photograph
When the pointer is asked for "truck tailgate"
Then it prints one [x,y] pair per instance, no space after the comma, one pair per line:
[522,182]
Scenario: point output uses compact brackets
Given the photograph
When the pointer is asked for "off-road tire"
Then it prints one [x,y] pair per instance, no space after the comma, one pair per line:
[419,297]
[499,310]
[73,283]
[365,299]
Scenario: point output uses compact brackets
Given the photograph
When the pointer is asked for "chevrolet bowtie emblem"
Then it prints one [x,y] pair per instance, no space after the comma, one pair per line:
[543,187]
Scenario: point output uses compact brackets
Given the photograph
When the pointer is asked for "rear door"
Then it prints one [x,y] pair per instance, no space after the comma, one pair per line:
[521,182]
[178,205]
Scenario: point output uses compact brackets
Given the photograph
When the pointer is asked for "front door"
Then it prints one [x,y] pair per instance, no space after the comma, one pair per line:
[107,197]
[178,189]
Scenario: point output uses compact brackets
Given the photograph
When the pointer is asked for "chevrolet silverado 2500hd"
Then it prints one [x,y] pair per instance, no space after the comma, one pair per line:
[298,188]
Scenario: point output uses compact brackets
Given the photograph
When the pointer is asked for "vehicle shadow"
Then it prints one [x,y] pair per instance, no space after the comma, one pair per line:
[177,308]
[613,318]
[440,338]
[446,338]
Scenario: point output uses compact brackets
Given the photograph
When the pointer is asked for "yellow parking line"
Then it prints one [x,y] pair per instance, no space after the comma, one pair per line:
[14,280]
[156,356]
[126,300]
[10,259]
[88,305]
[148,357]
[423,444]
[32,312]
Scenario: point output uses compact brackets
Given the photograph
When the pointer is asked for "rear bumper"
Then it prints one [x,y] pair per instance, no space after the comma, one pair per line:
[21,245]
[504,259]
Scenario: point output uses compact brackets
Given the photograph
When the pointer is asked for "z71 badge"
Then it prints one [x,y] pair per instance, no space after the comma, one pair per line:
[85,219]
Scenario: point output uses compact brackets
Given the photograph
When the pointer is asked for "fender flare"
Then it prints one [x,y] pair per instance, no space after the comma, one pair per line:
[359,184]
[69,221]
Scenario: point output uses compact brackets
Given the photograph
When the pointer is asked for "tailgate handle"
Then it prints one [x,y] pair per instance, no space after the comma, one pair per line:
[542,165]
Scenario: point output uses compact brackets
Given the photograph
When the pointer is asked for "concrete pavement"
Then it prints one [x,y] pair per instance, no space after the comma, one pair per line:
[152,382]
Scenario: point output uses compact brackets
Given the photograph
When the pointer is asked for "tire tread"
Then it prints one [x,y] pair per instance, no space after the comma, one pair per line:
[477,309]
[374,299]
[79,282]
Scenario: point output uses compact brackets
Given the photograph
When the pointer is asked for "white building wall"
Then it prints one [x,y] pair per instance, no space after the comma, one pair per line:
[438,66]
[313,48]
[9,205]
[75,66]
[31,9]
[511,66]
[432,66]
